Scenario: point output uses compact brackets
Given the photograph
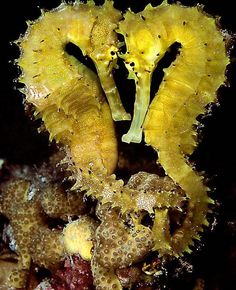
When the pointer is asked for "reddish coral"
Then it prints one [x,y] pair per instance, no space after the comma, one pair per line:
[75,275]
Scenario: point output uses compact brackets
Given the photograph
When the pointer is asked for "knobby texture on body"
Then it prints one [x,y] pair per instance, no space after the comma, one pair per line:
[189,84]
[69,98]
[87,26]
[65,93]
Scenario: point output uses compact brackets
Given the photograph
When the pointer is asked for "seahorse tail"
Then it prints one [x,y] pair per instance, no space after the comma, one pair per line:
[184,237]
[198,201]
[138,195]
[166,138]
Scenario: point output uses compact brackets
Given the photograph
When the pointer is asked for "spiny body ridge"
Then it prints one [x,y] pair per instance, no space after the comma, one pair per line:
[69,98]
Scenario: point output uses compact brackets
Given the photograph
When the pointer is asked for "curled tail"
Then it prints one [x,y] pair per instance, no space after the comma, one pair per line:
[189,84]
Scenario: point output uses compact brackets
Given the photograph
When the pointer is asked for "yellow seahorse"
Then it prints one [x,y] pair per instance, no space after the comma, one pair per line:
[89,27]
[68,98]
[65,92]
[189,84]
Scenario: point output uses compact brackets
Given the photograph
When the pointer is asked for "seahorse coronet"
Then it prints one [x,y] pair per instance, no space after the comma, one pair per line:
[182,95]
[97,40]
[69,98]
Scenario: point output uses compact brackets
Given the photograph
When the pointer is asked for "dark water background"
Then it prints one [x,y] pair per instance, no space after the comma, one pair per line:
[20,143]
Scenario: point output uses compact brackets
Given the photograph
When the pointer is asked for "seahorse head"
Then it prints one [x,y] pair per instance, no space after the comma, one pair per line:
[143,46]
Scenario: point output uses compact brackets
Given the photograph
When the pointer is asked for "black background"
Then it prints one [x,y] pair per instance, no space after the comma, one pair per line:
[20,143]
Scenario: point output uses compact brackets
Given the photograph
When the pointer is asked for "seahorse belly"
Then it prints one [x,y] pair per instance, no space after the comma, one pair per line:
[65,93]
[188,86]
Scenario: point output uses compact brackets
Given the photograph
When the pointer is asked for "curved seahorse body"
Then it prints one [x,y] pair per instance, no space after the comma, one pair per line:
[66,93]
[68,98]
[189,84]
[89,27]
[199,67]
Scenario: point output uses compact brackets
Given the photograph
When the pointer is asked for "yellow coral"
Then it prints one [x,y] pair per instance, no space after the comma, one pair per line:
[117,246]
[69,99]
[56,203]
[8,264]
[78,235]
[120,246]
[27,215]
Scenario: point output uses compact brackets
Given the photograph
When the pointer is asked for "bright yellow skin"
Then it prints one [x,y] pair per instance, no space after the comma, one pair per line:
[189,84]
[66,93]
[89,27]
[198,69]
[68,98]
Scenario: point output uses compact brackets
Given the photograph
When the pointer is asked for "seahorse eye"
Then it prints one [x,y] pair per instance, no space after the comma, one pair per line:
[132,64]
[112,52]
